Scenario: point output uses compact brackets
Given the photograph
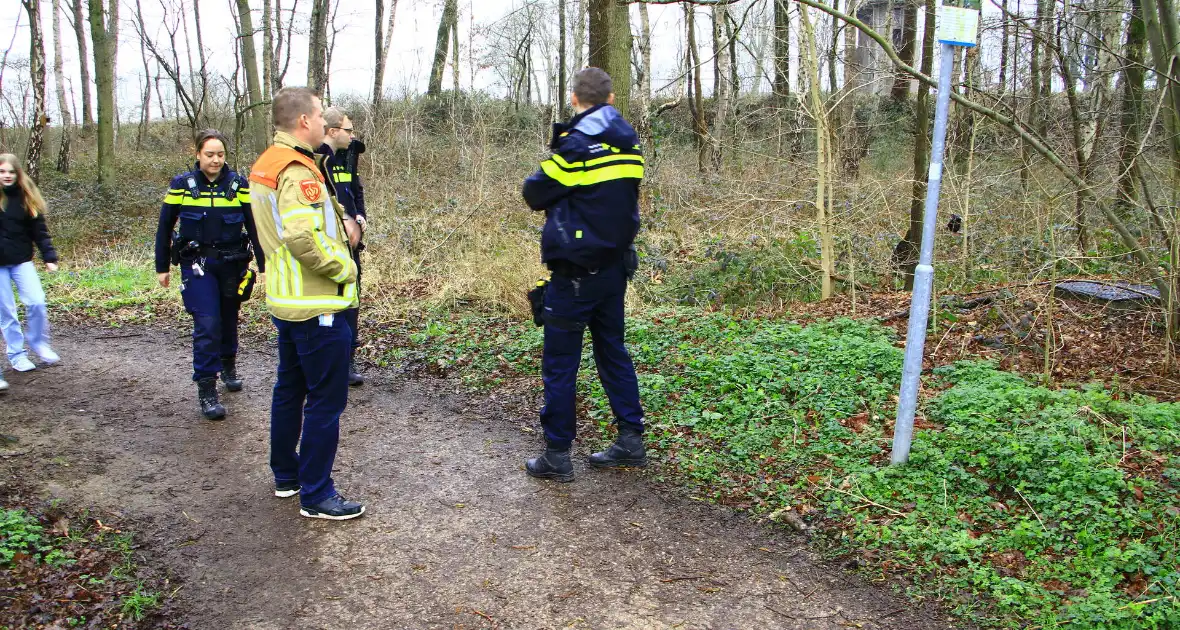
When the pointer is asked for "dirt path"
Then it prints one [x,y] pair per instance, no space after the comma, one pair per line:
[456,535]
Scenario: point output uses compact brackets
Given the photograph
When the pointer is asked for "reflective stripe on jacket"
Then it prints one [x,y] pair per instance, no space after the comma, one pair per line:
[301,229]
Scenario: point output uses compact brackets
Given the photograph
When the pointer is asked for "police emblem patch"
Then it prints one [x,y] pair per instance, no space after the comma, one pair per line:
[311,190]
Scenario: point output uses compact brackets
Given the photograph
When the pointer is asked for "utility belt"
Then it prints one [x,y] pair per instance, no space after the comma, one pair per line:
[566,269]
[187,252]
[238,285]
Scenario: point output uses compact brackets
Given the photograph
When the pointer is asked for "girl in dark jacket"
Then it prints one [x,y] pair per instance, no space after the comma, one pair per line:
[22,224]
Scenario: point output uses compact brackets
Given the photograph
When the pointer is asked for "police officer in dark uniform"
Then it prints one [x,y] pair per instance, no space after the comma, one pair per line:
[213,246]
[343,151]
[589,190]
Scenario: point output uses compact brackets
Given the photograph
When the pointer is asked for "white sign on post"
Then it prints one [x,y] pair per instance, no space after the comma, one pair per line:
[957,26]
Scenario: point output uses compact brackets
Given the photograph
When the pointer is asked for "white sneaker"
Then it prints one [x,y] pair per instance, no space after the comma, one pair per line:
[23,364]
[3,385]
[47,355]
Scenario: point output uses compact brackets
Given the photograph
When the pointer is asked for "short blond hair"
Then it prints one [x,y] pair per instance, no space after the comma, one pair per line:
[290,103]
[334,117]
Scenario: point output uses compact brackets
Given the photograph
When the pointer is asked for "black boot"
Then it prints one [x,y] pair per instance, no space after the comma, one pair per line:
[354,377]
[554,463]
[229,374]
[211,408]
[626,451]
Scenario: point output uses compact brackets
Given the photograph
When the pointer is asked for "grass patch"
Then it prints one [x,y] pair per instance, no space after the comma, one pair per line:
[68,569]
[118,288]
[1020,505]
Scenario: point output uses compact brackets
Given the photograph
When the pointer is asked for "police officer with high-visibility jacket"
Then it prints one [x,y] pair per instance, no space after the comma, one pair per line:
[342,151]
[589,190]
[213,246]
[307,238]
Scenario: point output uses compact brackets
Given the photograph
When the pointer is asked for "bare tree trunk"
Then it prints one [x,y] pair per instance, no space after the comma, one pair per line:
[104,32]
[204,69]
[281,74]
[722,91]
[442,40]
[645,95]
[1003,44]
[580,36]
[145,112]
[695,100]
[832,86]
[561,59]
[1131,114]
[809,57]
[905,255]
[63,104]
[1036,70]
[381,41]
[455,53]
[1163,34]
[317,49]
[851,67]
[257,119]
[610,47]
[268,54]
[909,35]
[193,76]
[782,49]
[332,15]
[37,73]
[159,94]
[77,8]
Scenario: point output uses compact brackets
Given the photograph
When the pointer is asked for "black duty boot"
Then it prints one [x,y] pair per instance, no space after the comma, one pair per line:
[229,374]
[354,378]
[554,463]
[211,408]
[626,451]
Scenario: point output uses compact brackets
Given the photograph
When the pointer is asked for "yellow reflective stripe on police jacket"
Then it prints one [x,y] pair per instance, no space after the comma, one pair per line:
[342,178]
[593,176]
[175,196]
[204,202]
[631,158]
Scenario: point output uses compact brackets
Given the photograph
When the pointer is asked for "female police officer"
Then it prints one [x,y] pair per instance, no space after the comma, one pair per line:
[213,248]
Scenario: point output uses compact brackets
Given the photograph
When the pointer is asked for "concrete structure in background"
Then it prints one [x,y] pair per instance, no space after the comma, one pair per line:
[872,72]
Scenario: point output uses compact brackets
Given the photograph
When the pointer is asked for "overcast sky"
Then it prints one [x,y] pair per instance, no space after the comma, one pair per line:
[481,24]
[353,59]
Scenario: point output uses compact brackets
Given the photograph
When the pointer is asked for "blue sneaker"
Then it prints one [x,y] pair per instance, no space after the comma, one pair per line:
[334,508]
[23,364]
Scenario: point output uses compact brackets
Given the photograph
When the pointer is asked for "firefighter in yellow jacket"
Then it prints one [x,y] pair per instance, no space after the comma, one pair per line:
[307,238]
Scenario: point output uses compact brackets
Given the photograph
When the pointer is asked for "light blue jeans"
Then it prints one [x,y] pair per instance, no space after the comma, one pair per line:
[28,285]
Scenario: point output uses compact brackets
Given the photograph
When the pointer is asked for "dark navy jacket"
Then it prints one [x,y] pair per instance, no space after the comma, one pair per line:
[212,213]
[19,231]
[342,166]
[589,189]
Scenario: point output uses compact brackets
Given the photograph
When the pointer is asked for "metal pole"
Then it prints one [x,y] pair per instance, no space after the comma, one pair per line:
[903,431]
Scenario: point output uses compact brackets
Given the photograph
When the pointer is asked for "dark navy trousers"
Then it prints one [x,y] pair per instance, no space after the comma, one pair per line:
[310,393]
[594,301]
[215,317]
[352,315]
